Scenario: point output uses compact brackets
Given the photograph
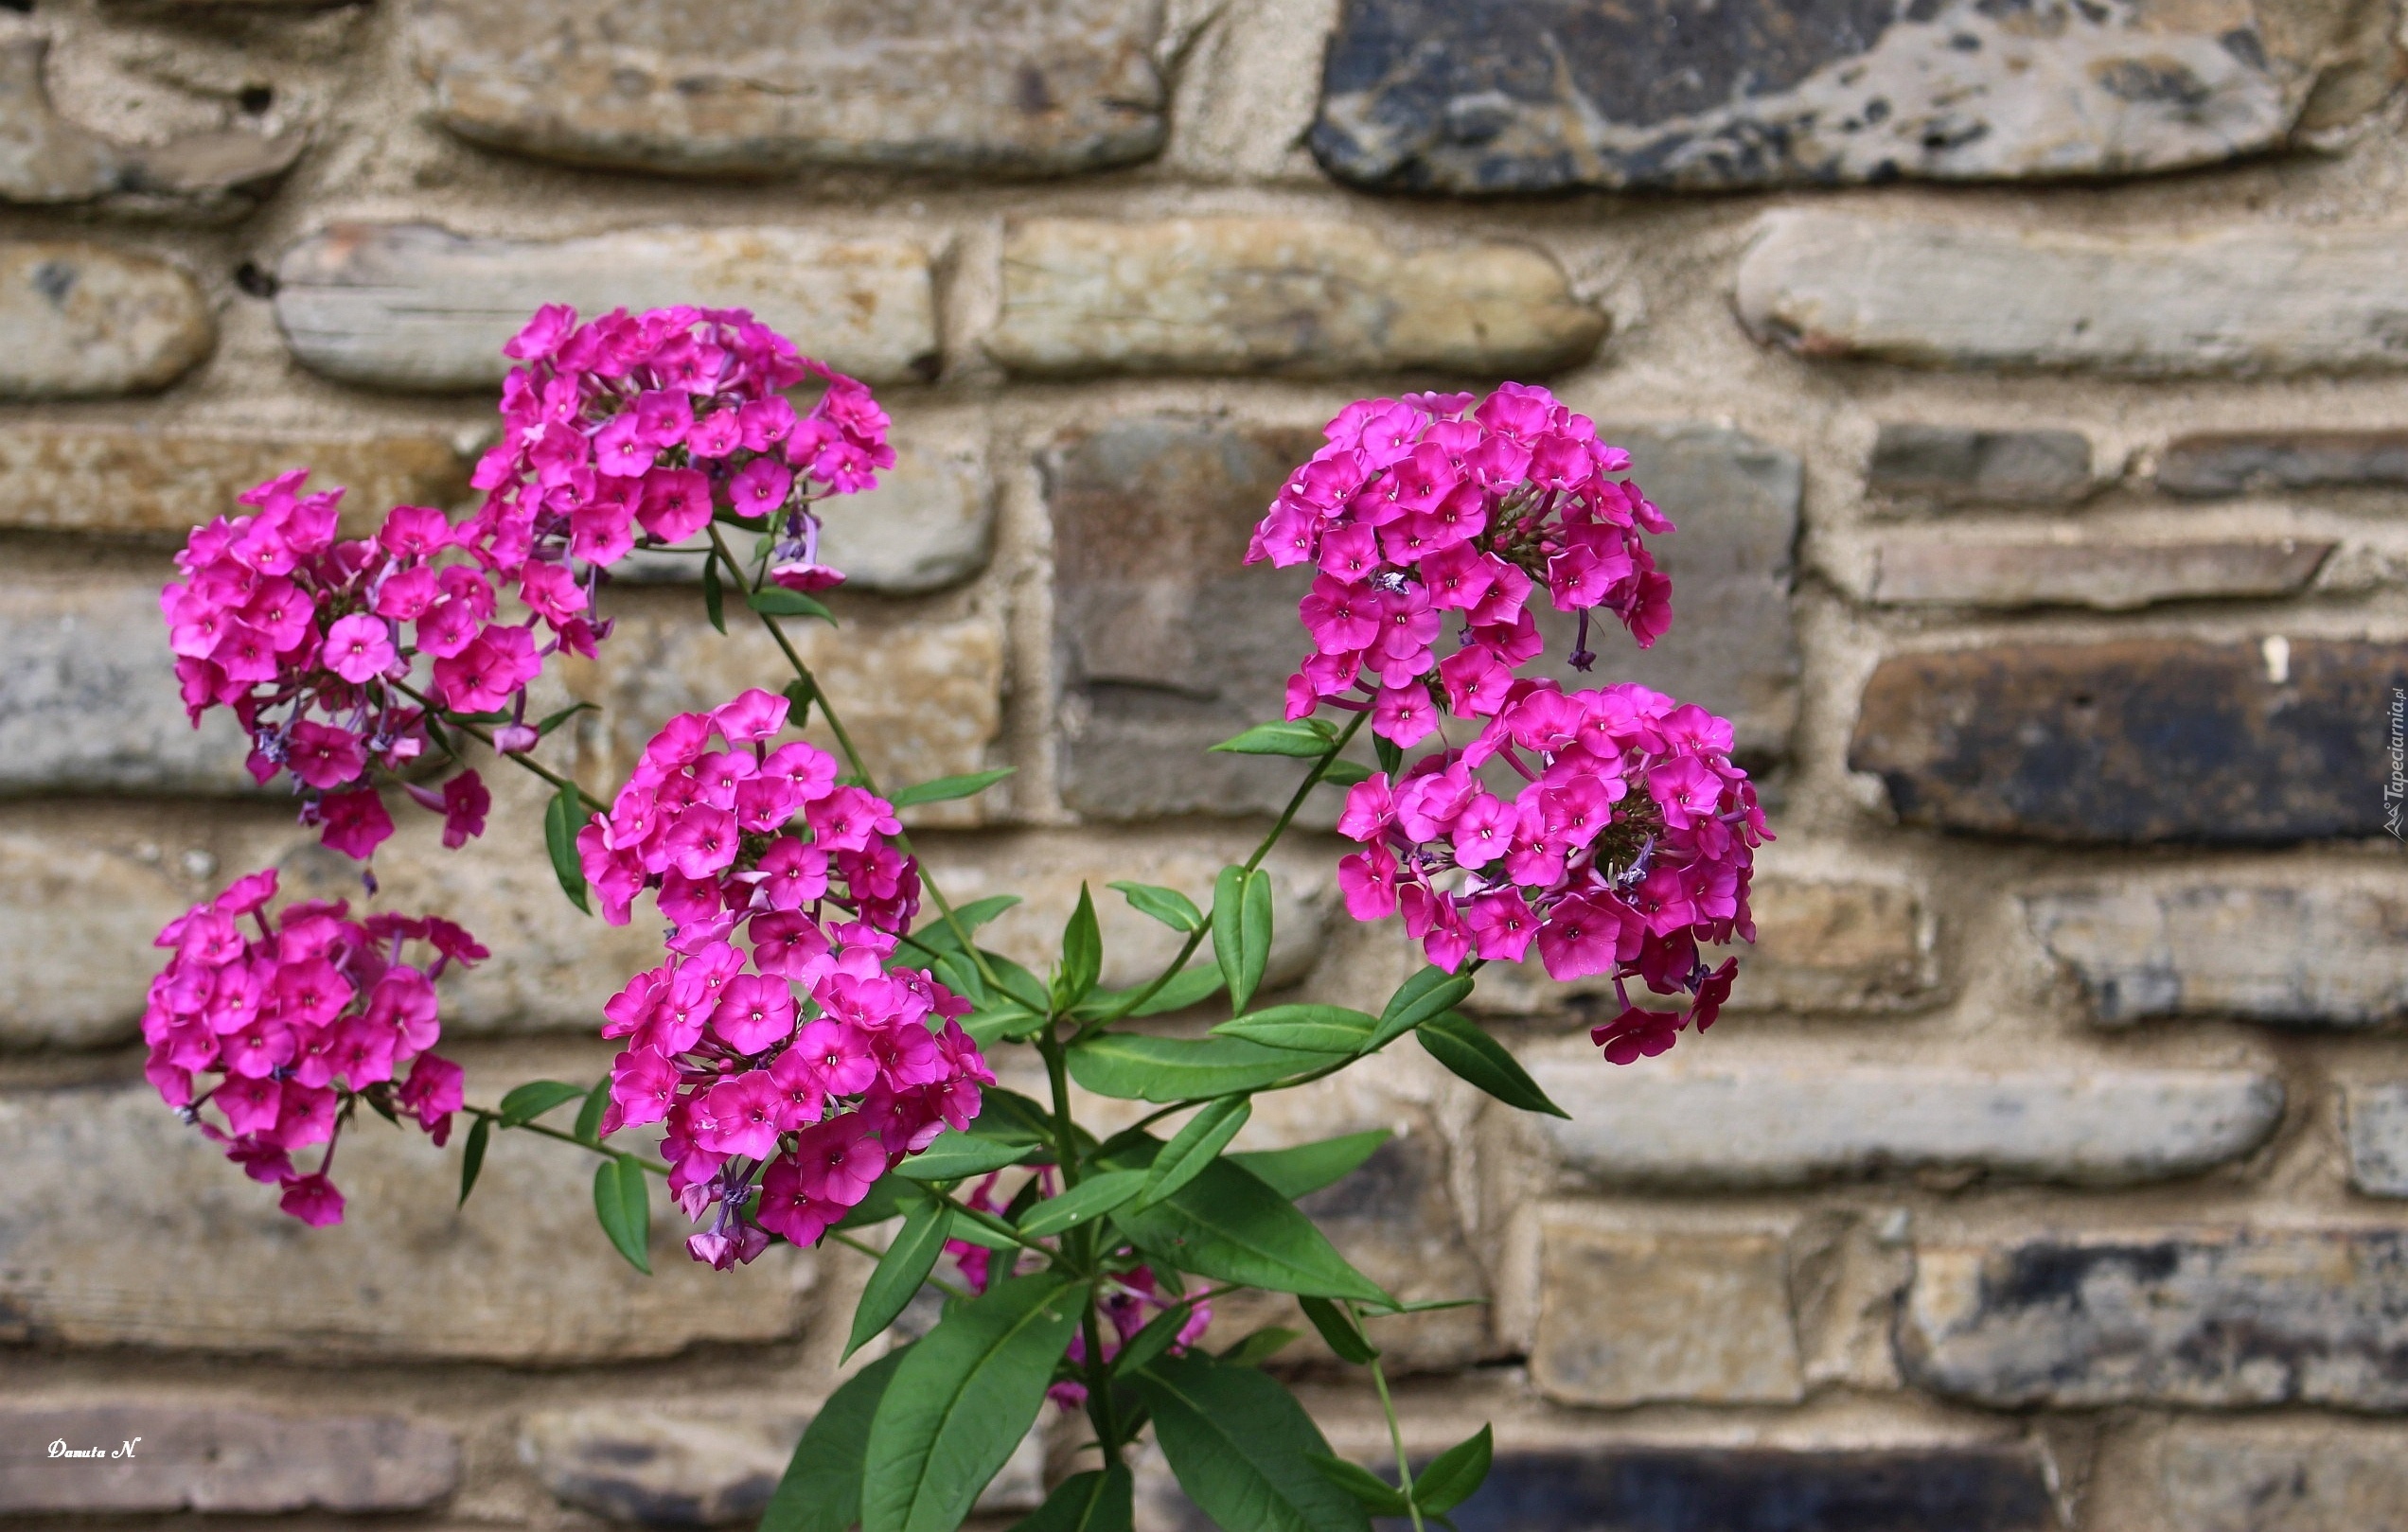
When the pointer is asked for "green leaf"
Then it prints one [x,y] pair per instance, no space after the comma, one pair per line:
[1458,1042]
[562,819]
[1238,1443]
[777,600]
[1227,1226]
[1172,907]
[1307,1168]
[1416,1000]
[1134,1067]
[1194,1147]
[589,1117]
[937,931]
[900,1272]
[1011,1118]
[1337,1327]
[821,1488]
[1189,986]
[1152,1341]
[526,1102]
[1373,1494]
[887,1195]
[1016,981]
[954,1156]
[963,1398]
[800,694]
[1242,931]
[1452,1474]
[1261,1347]
[1310,1029]
[971,1231]
[624,1206]
[1091,1199]
[555,720]
[1304,739]
[714,592]
[945,789]
[1096,1500]
[1082,955]
[473,1156]
[1390,754]
[1344,773]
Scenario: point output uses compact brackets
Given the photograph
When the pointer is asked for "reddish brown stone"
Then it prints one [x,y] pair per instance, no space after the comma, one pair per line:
[2137,741]
[2233,463]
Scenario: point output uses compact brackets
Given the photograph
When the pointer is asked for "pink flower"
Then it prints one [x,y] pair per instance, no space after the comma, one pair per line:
[324,756]
[358,649]
[752,716]
[837,1161]
[313,1200]
[356,822]
[754,1014]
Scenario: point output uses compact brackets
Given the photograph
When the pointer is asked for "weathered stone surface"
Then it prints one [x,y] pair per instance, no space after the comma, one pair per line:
[1003,86]
[930,522]
[2256,1480]
[1820,945]
[1962,466]
[2136,740]
[218,1460]
[88,700]
[923,698]
[2233,463]
[522,1274]
[1773,1124]
[2294,953]
[1169,645]
[1283,295]
[2260,300]
[1956,570]
[2375,1117]
[1634,1315]
[415,307]
[79,321]
[143,479]
[45,159]
[2200,1317]
[702,1466]
[1497,96]
[1626,1486]
[81,897]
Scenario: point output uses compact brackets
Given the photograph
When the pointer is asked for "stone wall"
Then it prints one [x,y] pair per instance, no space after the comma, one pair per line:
[2030,382]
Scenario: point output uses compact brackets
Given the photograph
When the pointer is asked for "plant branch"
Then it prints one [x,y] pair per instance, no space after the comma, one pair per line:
[482,737]
[1395,1431]
[541,1131]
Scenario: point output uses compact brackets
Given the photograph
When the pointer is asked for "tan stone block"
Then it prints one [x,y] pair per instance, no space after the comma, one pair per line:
[141,479]
[165,1456]
[1957,570]
[1283,295]
[522,1274]
[2329,1478]
[1634,1314]
[81,894]
[83,321]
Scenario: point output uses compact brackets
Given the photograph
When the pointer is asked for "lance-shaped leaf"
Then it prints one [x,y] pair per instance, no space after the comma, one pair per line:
[623,1205]
[955,1154]
[1307,1168]
[1458,1042]
[776,601]
[714,592]
[1312,1029]
[522,1105]
[1189,986]
[1082,955]
[1090,1502]
[1452,1474]
[561,817]
[1338,1329]
[1195,1146]
[1420,997]
[1130,1067]
[1227,1226]
[1260,1345]
[963,1398]
[821,1488]
[589,1117]
[1153,1340]
[1242,931]
[473,1156]
[900,1272]
[1091,1199]
[1373,1494]
[945,789]
[1344,773]
[1304,739]
[1172,907]
[1241,1447]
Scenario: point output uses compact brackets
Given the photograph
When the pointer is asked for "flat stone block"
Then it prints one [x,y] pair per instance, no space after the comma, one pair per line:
[81,894]
[411,305]
[143,479]
[1639,1315]
[2297,952]
[2328,1478]
[2219,1319]
[995,86]
[1963,465]
[2264,300]
[177,1458]
[2377,1120]
[2136,740]
[83,322]
[1701,1124]
[520,1276]
[2234,462]
[1491,97]
[2104,576]
[1296,296]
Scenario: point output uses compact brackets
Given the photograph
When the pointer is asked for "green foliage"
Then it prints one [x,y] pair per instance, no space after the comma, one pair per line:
[473,1156]
[1242,931]
[1134,1067]
[1172,907]
[1241,1447]
[526,1102]
[1189,986]
[900,1272]
[589,1117]
[714,591]
[622,1204]
[953,1155]
[945,789]
[561,817]
[1083,1204]
[1227,1226]
[1307,1168]
[1311,1029]
[1090,1502]
[1337,1327]
[1261,1347]
[777,600]
[821,1490]
[1082,955]
[1304,739]
[1458,1042]
[1454,1473]
[1420,997]
[1194,1147]
[1373,1494]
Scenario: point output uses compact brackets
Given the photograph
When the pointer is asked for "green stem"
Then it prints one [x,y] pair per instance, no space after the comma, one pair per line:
[478,733]
[1395,1431]
[541,1131]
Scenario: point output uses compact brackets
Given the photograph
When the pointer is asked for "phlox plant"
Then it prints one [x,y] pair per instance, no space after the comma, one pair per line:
[811,1060]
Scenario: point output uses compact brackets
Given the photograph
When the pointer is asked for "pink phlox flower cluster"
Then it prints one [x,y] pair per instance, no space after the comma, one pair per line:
[635,428]
[1627,843]
[811,1076]
[1129,1302]
[1425,510]
[281,1032]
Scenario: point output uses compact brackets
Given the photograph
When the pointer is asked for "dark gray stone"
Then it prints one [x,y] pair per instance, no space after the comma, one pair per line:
[2137,740]
[1520,96]
[1961,466]
[2198,1317]
[2236,463]
[1170,644]
[160,1457]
